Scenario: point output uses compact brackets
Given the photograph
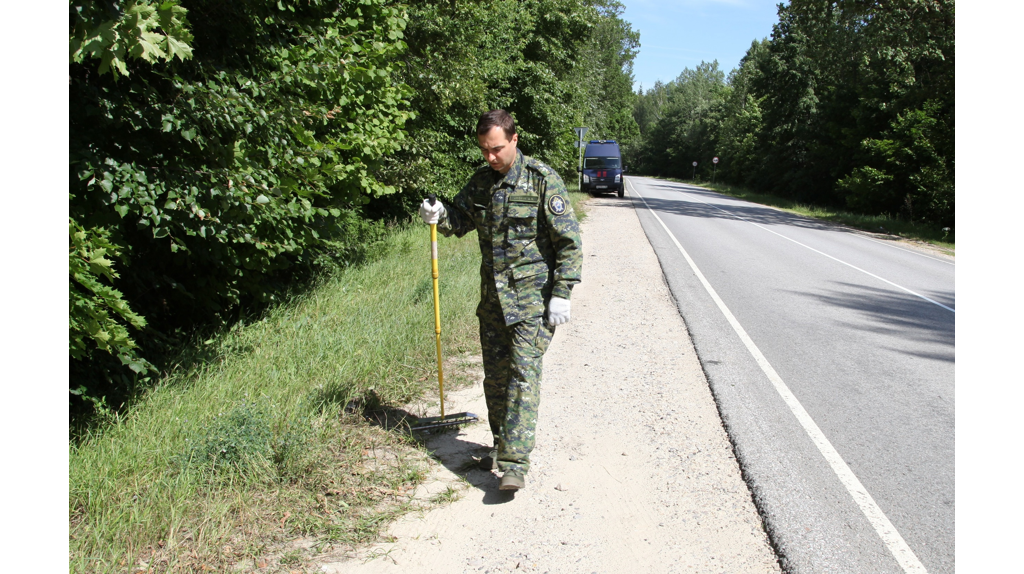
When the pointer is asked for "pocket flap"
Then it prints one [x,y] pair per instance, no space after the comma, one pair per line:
[522,210]
[529,270]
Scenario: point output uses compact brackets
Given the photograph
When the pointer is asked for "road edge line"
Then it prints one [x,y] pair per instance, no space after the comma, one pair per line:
[892,539]
[836,259]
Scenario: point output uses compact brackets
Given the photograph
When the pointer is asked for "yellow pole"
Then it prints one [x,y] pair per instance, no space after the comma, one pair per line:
[437,312]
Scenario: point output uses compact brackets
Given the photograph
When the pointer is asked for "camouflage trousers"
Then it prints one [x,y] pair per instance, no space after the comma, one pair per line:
[513,361]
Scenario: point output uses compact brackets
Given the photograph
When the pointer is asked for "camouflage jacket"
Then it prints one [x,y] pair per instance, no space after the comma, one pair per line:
[529,236]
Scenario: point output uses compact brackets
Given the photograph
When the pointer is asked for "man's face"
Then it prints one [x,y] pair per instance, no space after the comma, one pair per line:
[498,150]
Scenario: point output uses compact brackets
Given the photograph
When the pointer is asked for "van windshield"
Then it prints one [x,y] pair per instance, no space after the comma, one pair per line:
[601,163]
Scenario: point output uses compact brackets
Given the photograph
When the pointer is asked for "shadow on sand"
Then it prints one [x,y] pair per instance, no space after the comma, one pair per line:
[449,447]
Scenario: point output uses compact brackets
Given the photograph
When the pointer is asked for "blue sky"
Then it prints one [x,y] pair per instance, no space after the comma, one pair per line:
[679,34]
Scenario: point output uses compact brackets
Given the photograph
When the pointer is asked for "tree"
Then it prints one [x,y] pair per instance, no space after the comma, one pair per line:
[553,64]
[849,103]
[740,122]
[687,126]
[219,179]
[840,76]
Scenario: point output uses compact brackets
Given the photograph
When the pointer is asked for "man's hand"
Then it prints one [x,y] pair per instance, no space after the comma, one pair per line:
[558,311]
[431,213]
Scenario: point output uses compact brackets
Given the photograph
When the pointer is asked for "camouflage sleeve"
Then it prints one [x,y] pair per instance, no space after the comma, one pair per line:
[564,230]
[458,217]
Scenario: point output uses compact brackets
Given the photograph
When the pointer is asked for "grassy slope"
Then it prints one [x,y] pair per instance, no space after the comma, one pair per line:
[273,399]
[877,223]
[219,463]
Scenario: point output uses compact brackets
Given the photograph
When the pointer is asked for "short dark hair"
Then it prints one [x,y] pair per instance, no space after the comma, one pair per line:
[493,118]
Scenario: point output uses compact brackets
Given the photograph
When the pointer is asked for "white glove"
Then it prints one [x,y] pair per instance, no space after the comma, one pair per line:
[431,213]
[558,311]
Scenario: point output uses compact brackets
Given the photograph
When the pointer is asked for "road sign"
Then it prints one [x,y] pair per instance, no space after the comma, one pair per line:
[714,159]
[694,164]
[580,132]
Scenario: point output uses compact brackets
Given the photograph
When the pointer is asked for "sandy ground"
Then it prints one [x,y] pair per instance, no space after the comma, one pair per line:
[632,472]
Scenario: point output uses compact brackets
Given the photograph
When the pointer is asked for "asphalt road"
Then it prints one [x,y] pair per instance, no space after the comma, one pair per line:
[830,354]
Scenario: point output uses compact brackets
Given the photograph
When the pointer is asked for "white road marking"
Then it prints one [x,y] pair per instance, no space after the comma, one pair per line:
[953,263]
[885,529]
[852,266]
[890,245]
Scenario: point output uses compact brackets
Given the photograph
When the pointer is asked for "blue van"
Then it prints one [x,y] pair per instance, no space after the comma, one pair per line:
[602,168]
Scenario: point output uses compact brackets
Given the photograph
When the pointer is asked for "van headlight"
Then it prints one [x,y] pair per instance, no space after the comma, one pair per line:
[586,178]
[618,178]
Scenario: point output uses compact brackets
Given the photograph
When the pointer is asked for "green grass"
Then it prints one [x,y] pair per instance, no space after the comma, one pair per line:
[217,464]
[578,198]
[260,443]
[925,232]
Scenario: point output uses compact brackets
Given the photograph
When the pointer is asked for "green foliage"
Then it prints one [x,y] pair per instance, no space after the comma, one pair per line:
[912,176]
[255,144]
[605,73]
[866,187]
[222,178]
[98,315]
[685,113]
[553,64]
[849,103]
[113,31]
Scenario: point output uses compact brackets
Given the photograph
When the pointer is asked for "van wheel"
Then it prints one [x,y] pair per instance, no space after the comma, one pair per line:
[622,190]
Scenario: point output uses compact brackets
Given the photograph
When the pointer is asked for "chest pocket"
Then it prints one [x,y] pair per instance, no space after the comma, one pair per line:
[521,212]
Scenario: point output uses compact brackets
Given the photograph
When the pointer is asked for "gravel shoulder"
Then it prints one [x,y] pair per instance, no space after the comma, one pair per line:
[633,470]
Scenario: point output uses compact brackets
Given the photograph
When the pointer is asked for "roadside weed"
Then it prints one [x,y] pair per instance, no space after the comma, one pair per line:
[447,496]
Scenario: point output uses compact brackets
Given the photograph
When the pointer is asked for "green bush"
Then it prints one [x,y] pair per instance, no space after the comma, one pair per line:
[912,177]
[221,178]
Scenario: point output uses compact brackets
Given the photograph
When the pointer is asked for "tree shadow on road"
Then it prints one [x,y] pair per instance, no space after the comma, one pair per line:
[900,315]
[733,209]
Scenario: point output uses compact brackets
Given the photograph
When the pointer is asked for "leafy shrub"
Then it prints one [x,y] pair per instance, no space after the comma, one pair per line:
[868,189]
[912,176]
[221,178]
[112,31]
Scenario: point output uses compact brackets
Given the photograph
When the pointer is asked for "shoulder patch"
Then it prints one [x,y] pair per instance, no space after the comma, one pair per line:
[557,205]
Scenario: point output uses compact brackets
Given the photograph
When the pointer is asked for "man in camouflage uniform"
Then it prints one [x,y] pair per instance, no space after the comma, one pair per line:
[531,259]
